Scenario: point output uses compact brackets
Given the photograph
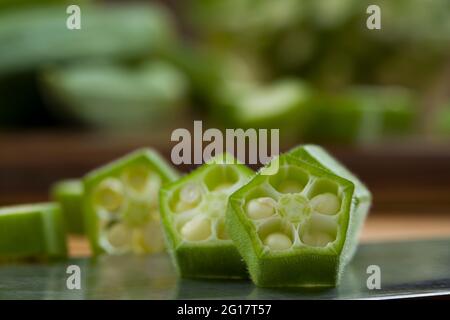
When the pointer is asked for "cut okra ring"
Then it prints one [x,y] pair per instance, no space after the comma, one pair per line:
[299,226]
[121,204]
[32,231]
[193,213]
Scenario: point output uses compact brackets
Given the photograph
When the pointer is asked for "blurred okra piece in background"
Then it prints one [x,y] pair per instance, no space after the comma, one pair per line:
[69,195]
[299,226]
[34,231]
[193,214]
[121,204]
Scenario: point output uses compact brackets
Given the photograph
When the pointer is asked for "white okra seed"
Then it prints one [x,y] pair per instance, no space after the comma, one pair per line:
[326,203]
[119,235]
[278,241]
[109,194]
[196,229]
[191,193]
[261,208]
[317,239]
[190,196]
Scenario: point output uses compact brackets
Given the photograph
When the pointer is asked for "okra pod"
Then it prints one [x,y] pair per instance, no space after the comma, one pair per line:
[193,215]
[113,96]
[121,204]
[69,195]
[283,104]
[34,231]
[299,226]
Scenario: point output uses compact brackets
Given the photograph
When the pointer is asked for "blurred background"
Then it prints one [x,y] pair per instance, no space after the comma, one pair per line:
[71,100]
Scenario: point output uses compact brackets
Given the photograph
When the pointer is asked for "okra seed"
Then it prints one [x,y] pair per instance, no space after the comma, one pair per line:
[317,239]
[136,178]
[326,203]
[119,235]
[190,196]
[278,241]
[197,229]
[110,195]
[261,208]
[290,187]
[190,193]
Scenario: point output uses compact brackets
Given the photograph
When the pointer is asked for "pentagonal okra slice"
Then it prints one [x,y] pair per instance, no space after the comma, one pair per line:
[121,204]
[193,212]
[69,195]
[34,231]
[291,236]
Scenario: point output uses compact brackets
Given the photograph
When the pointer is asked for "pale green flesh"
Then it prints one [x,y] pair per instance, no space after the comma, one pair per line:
[198,207]
[126,205]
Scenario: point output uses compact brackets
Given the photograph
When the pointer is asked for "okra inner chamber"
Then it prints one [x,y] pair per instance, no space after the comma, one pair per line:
[294,209]
[199,206]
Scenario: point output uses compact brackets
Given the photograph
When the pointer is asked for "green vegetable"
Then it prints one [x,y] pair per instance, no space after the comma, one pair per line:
[69,195]
[193,214]
[364,114]
[31,38]
[441,120]
[114,96]
[299,226]
[32,231]
[121,204]
[281,105]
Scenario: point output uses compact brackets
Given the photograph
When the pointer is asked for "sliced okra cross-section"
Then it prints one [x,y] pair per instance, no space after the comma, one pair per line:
[296,227]
[193,213]
[69,195]
[121,204]
[34,231]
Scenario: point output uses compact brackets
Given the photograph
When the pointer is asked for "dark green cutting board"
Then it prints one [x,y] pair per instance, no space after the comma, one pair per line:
[408,269]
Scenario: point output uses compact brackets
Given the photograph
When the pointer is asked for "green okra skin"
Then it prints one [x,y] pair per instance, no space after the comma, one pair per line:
[121,204]
[69,195]
[363,113]
[34,231]
[104,31]
[299,226]
[113,96]
[193,216]
[441,121]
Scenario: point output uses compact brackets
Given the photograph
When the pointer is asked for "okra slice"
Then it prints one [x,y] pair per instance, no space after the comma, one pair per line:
[193,213]
[298,226]
[69,195]
[34,231]
[121,204]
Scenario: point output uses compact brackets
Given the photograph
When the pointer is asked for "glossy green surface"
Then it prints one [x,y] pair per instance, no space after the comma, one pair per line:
[408,269]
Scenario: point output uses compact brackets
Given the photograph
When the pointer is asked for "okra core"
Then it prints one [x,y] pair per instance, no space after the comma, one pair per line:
[295,213]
